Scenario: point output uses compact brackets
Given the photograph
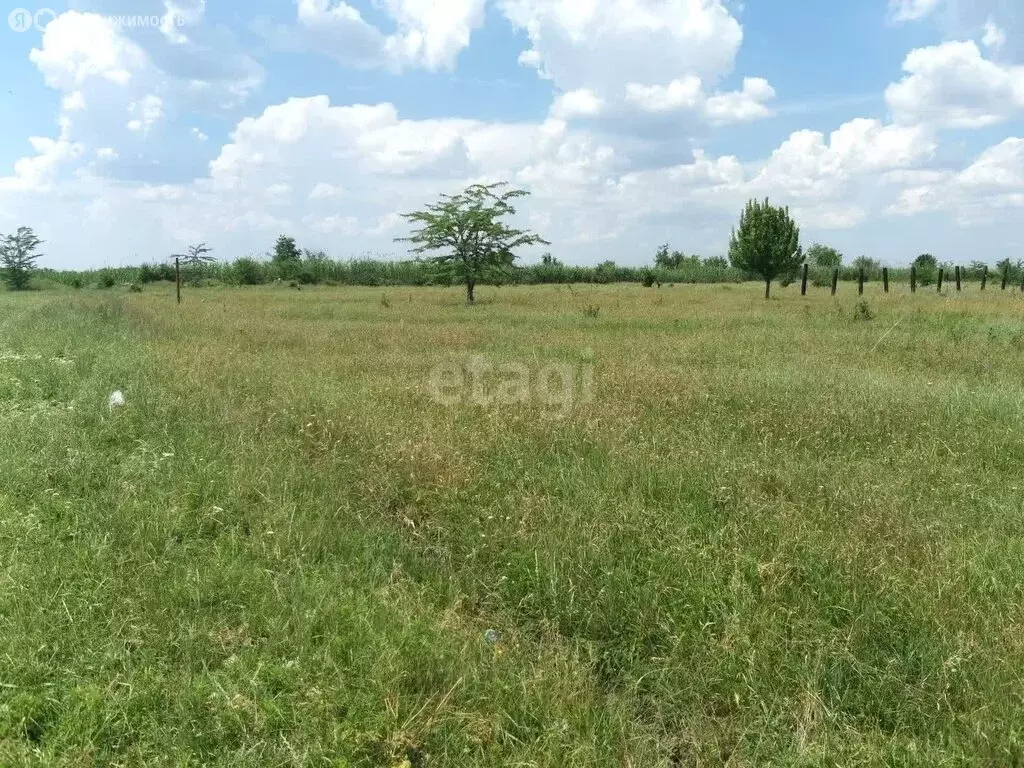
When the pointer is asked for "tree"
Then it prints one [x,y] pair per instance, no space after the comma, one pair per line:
[197,254]
[926,266]
[869,265]
[18,256]
[766,243]
[467,228]
[824,256]
[285,251]
[716,262]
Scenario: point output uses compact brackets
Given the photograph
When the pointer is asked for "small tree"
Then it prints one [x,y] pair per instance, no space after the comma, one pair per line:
[871,267]
[824,256]
[468,228]
[18,256]
[197,254]
[926,267]
[285,251]
[766,243]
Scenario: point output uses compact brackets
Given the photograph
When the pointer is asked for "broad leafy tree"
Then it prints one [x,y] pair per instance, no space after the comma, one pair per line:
[468,230]
[18,254]
[926,266]
[824,256]
[285,251]
[766,243]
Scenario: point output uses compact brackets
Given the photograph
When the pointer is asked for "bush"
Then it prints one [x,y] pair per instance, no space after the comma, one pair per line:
[106,279]
[248,271]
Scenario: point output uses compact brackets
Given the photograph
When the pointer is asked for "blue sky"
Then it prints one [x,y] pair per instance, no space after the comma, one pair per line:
[890,127]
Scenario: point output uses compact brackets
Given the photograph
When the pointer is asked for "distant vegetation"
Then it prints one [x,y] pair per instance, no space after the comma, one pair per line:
[470,245]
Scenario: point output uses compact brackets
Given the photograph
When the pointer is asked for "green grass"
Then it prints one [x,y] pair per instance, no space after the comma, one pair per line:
[777,533]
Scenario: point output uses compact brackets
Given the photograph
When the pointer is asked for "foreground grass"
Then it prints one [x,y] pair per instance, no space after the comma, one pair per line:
[776,533]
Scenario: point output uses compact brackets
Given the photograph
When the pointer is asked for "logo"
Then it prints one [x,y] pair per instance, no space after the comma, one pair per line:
[22,19]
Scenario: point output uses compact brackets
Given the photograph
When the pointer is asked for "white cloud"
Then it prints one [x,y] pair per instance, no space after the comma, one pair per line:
[179,14]
[428,34]
[741,106]
[36,173]
[994,37]
[146,113]
[912,10]
[198,135]
[582,102]
[323,191]
[604,44]
[78,46]
[953,85]
[106,153]
[686,94]
[993,183]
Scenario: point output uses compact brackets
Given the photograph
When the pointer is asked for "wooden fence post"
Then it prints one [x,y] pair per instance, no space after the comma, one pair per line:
[984,277]
[860,282]
[885,279]
[177,277]
[958,277]
[913,279]
[835,280]
[803,282]
[1006,276]
[941,272]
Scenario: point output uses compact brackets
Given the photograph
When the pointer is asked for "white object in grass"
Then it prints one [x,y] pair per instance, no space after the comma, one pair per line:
[116,399]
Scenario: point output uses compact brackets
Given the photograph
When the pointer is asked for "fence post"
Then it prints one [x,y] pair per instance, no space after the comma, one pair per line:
[913,279]
[835,280]
[984,277]
[958,277]
[860,281]
[885,279]
[1006,276]
[803,282]
[941,272]
[177,277]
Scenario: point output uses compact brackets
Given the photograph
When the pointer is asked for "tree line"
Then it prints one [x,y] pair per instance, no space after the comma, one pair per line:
[465,239]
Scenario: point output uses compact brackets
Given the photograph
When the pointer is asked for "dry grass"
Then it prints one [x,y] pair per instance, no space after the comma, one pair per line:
[776,533]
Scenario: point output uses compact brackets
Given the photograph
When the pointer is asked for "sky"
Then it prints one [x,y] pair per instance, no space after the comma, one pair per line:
[889,127]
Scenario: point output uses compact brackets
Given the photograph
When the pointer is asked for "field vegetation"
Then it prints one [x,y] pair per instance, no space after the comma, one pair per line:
[785,532]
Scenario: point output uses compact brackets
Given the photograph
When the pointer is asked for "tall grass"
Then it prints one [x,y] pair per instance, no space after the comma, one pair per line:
[778,533]
[376,272]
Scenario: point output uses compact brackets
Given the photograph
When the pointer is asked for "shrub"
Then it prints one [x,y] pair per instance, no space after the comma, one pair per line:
[862,311]
[248,271]
[106,279]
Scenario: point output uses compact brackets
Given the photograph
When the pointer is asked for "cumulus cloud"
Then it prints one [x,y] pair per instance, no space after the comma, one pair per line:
[582,102]
[604,44]
[953,85]
[993,183]
[994,36]
[427,34]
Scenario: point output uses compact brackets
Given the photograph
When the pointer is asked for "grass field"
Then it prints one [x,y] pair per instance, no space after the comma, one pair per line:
[705,529]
